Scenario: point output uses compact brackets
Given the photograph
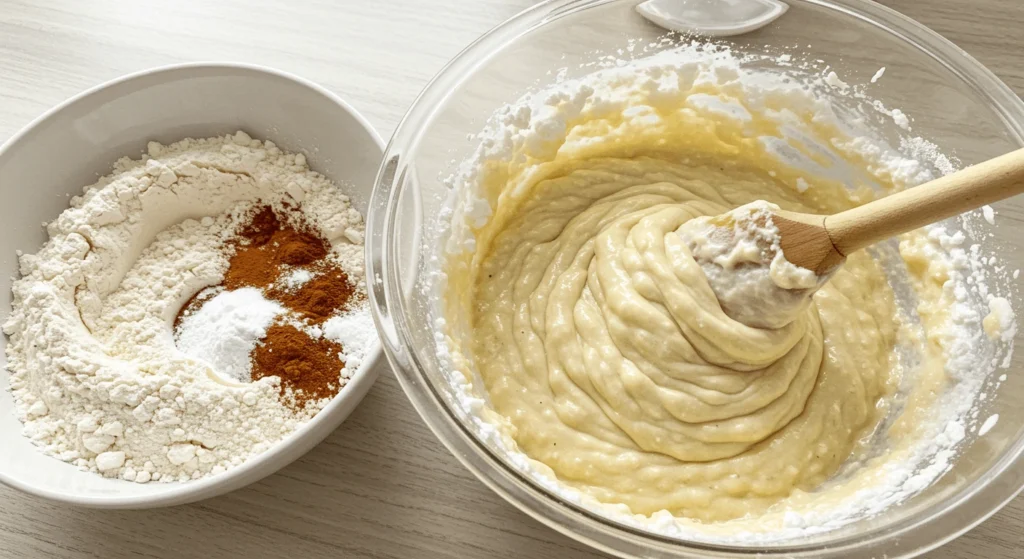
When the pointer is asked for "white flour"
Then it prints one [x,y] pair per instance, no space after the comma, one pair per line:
[95,375]
[297,278]
[355,331]
[538,124]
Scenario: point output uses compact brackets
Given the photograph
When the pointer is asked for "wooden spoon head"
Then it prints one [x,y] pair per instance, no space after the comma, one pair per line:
[805,242]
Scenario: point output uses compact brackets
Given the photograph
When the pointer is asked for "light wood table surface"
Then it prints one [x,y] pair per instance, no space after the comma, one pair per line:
[381,486]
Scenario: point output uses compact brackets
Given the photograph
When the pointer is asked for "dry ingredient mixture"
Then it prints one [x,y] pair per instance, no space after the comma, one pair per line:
[586,344]
[189,311]
[286,339]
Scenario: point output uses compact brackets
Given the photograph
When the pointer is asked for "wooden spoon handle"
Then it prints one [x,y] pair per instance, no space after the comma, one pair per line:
[933,201]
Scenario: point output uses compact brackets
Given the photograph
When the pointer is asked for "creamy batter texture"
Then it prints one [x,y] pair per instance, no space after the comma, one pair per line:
[598,336]
[572,294]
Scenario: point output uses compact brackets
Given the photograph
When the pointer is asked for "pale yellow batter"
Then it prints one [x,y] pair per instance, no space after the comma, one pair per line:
[607,355]
[599,338]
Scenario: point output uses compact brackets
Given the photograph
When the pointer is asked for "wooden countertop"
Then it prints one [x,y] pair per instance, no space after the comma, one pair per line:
[381,486]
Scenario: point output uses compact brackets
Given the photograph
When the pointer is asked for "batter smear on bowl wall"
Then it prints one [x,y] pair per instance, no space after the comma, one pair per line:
[188,311]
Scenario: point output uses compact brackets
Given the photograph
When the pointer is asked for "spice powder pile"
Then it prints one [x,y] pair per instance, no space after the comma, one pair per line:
[269,247]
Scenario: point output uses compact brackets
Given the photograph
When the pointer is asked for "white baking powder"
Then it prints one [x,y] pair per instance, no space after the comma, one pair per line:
[225,329]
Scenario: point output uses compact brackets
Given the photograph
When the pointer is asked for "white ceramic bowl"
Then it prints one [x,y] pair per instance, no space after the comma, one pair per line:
[70,146]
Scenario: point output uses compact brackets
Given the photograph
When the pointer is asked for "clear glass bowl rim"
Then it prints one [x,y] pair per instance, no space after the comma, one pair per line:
[912,535]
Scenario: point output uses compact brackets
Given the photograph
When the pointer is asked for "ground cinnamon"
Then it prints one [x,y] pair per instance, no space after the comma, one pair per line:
[271,245]
[309,369]
[320,297]
[267,247]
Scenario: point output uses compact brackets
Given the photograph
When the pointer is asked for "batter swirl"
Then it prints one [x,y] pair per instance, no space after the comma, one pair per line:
[598,336]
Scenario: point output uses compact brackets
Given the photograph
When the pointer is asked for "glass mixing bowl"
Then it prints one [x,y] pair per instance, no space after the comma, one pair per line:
[951,100]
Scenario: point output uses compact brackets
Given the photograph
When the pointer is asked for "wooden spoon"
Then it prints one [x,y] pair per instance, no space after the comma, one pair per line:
[822,242]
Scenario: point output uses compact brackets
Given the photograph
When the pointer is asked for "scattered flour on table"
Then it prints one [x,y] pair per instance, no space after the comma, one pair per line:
[94,372]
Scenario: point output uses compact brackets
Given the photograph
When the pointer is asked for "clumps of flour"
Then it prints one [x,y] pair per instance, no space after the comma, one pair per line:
[1001,322]
[539,124]
[297,278]
[95,375]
